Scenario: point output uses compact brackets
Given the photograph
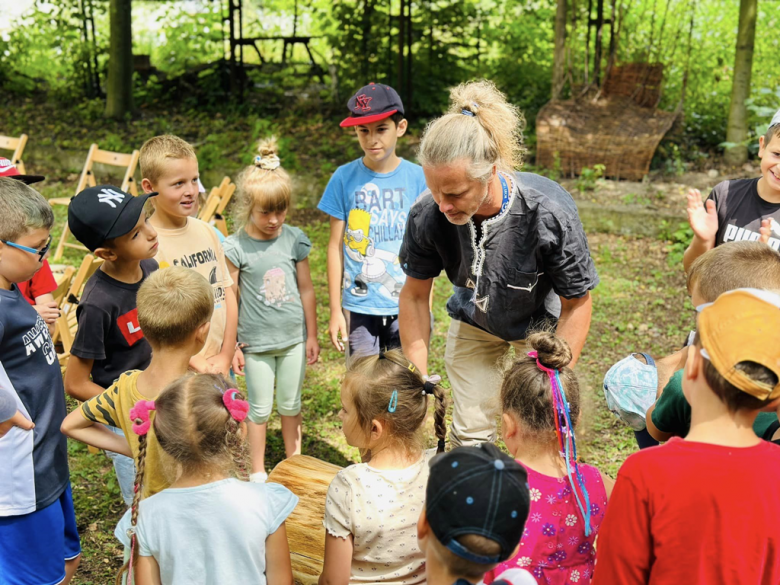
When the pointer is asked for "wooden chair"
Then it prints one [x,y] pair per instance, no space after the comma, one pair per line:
[116,159]
[216,203]
[65,328]
[17,145]
[219,219]
[63,286]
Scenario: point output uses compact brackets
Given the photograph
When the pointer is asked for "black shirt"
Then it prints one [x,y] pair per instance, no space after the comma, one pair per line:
[504,273]
[108,330]
[740,211]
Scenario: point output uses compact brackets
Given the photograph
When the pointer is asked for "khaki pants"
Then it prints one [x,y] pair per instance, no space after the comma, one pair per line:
[472,359]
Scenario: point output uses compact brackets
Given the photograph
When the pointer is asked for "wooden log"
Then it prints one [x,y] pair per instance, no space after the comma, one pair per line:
[308,478]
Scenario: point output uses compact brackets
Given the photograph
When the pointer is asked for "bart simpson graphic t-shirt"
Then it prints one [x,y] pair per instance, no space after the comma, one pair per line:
[270,313]
[740,211]
[375,207]
[196,246]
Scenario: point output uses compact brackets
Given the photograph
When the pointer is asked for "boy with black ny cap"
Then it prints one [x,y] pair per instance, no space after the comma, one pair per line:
[112,224]
[368,201]
[476,505]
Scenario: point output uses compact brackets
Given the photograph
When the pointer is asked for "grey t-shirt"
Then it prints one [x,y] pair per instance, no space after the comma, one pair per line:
[740,211]
[504,273]
[270,313]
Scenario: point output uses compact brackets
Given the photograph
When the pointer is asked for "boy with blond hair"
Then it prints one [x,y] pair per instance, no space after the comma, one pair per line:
[39,541]
[703,509]
[170,168]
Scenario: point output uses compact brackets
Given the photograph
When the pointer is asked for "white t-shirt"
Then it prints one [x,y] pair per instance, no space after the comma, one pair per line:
[212,534]
[380,508]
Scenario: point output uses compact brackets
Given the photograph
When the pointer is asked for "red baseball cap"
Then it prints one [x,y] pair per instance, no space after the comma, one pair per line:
[372,103]
[8,169]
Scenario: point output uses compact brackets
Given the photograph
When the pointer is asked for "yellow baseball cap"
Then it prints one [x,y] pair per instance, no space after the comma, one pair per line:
[743,325]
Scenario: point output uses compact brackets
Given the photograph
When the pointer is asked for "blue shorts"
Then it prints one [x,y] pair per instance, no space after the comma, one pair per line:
[35,546]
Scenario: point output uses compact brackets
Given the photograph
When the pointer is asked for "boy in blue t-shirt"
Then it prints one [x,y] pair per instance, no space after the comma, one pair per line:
[368,201]
[39,542]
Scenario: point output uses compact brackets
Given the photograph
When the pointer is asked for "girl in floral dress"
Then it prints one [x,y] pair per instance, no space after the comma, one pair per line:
[541,404]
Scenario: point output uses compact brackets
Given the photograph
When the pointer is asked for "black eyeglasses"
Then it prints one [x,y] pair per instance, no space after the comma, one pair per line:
[41,253]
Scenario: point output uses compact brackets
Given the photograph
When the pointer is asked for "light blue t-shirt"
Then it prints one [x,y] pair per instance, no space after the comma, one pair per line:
[375,207]
[212,534]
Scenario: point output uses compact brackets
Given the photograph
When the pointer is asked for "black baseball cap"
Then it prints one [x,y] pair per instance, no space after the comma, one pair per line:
[477,490]
[372,103]
[8,169]
[104,212]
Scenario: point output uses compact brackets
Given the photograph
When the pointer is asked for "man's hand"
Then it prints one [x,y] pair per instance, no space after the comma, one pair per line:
[312,350]
[702,216]
[238,362]
[220,364]
[17,420]
[338,326]
[48,311]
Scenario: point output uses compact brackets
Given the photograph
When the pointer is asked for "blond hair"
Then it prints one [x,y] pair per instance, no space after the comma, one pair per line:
[481,126]
[22,209]
[156,151]
[264,183]
[734,265]
[172,303]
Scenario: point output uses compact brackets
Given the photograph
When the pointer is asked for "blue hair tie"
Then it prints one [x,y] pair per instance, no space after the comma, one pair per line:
[393,401]
[467,113]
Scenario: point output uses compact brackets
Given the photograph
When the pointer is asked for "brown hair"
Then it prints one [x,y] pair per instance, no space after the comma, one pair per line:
[459,566]
[193,427]
[375,380]
[172,303]
[264,184]
[22,209]
[734,398]
[526,390]
[734,265]
[156,151]
[481,126]
[771,132]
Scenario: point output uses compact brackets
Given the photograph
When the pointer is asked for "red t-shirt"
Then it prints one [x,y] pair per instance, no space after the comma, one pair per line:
[42,283]
[689,513]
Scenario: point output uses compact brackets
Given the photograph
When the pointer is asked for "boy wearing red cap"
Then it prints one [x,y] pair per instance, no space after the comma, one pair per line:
[368,201]
[703,509]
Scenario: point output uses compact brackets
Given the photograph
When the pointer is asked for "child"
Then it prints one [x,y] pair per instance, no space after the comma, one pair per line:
[371,508]
[489,490]
[174,309]
[703,510]
[540,398]
[277,324]
[170,168]
[39,542]
[742,209]
[109,341]
[725,268]
[368,201]
[208,527]
[37,291]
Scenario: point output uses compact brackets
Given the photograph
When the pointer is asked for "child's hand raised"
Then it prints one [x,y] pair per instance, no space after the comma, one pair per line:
[703,217]
[17,420]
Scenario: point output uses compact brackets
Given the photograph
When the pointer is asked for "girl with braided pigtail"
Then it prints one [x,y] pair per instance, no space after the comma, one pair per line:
[209,527]
[372,508]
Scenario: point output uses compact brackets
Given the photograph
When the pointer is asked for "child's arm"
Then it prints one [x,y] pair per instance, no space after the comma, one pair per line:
[147,571]
[221,362]
[17,420]
[238,356]
[654,431]
[278,567]
[306,289]
[337,562]
[703,219]
[77,426]
[78,384]
[338,325]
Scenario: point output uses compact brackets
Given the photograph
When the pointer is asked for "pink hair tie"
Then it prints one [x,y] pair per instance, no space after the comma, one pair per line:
[139,415]
[237,407]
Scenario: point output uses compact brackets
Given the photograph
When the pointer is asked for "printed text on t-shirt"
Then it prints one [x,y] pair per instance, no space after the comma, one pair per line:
[739,234]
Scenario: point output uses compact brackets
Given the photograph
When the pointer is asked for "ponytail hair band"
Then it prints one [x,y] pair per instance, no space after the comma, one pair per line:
[269,162]
[237,407]
[139,415]
[430,384]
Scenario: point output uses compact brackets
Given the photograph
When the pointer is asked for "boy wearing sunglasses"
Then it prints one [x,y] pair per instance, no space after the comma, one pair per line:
[39,542]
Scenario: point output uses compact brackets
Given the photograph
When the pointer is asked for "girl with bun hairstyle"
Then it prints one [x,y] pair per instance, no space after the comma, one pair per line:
[540,399]
[277,313]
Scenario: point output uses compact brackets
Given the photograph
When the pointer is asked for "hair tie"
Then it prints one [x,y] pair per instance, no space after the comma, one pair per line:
[430,384]
[237,407]
[466,112]
[270,162]
[393,401]
[440,446]
[139,415]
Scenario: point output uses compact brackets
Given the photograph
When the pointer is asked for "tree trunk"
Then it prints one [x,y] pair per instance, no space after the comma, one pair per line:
[559,56]
[119,97]
[740,89]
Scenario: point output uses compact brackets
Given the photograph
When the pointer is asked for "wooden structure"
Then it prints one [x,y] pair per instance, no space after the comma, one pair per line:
[16,144]
[216,203]
[128,162]
[308,478]
[621,129]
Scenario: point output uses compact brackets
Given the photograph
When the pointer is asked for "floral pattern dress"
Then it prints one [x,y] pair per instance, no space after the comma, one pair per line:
[554,547]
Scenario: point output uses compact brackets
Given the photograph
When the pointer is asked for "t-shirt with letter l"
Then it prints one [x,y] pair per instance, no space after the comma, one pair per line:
[375,207]
[196,246]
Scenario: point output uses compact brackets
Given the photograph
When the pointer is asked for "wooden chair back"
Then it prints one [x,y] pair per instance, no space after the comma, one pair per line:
[16,144]
[63,286]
